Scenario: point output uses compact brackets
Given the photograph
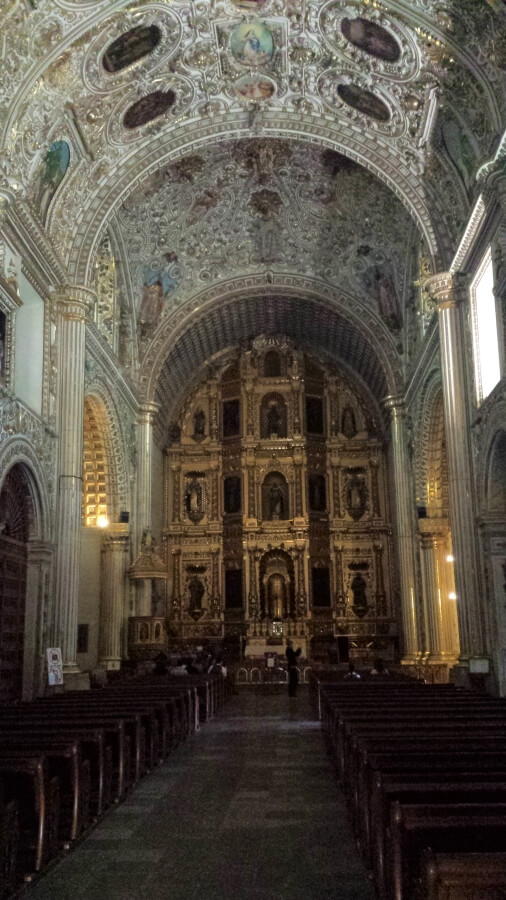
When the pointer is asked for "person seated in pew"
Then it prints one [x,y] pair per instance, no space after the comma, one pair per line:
[351,675]
[379,670]
[179,669]
[161,661]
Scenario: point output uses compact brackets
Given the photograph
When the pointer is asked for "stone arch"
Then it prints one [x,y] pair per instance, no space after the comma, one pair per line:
[18,451]
[25,573]
[491,467]
[103,435]
[495,497]
[307,310]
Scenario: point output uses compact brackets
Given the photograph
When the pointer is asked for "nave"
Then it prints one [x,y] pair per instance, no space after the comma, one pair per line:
[248,807]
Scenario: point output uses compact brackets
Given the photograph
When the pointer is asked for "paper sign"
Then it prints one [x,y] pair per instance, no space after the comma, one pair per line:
[54,666]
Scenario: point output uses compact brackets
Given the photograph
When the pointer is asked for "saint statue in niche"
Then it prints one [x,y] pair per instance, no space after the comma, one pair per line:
[358,589]
[356,495]
[273,420]
[199,425]
[197,590]
[317,498]
[276,502]
[193,501]
[348,424]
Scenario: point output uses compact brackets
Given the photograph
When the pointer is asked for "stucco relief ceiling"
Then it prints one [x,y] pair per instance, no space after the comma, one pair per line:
[248,205]
[215,139]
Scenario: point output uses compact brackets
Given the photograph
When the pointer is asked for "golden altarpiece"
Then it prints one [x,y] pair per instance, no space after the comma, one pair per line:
[277,510]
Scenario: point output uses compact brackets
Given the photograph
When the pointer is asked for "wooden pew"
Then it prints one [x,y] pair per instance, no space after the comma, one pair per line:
[456,827]
[430,787]
[463,876]
[65,762]
[29,716]
[25,779]
[9,841]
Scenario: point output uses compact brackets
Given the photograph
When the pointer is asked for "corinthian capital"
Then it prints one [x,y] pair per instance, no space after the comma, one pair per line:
[447,289]
[74,301]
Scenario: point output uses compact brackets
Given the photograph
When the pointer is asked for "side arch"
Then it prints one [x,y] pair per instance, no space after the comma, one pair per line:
[104,432]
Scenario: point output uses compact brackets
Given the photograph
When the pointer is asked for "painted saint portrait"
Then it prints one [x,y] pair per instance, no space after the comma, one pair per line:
[317,493]
[148,108]
[364,101]
[372,38]
[156,285]
[52,172]
[130,46]
[251,44]
[252,87]
[379,283]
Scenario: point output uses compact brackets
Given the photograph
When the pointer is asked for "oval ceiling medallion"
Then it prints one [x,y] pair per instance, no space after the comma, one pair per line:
[254,87]
[251,44]
[364,101]
[251,5]
[131,46]
[148,108]
[372,38]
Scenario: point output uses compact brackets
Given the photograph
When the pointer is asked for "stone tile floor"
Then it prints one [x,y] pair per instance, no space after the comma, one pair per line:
[248,808]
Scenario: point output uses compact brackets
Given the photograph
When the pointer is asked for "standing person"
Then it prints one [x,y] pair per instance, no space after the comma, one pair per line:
[351,675]
[293,672]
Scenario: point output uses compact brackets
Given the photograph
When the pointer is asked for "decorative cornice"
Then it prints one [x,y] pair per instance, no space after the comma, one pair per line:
[472,229]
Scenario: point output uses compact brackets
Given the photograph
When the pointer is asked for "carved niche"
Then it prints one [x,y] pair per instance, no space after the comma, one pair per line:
[273,418]
[356,494]
[195,496]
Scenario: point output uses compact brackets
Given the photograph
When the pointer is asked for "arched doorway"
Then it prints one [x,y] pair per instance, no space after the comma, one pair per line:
[15,514]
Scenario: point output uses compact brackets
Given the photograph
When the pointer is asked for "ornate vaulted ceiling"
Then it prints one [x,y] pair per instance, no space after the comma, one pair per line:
[233,139]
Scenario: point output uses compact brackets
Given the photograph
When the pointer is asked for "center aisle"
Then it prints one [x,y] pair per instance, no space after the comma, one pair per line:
[247,808]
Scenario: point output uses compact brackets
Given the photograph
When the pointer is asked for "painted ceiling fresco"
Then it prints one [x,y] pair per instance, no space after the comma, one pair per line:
[250,204]
[337,139]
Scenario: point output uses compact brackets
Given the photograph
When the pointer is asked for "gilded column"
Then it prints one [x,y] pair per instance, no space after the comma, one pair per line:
[146,417]
[405,527]
[433,601]
[381,598]
[253,584]
[74,305]
[112,615]
[447,290]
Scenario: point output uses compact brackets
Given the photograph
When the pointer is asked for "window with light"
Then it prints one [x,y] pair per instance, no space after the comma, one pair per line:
[487,360]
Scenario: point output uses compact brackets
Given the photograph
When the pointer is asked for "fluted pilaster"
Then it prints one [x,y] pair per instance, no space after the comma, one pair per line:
[448,291]
[405,527]
[112,617]
[145,421]
[74,305]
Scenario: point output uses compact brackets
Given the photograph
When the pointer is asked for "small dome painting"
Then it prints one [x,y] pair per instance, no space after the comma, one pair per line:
[130,46]
[148,108]
[371,38]
[254,87]
[364,101]
[251,44]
